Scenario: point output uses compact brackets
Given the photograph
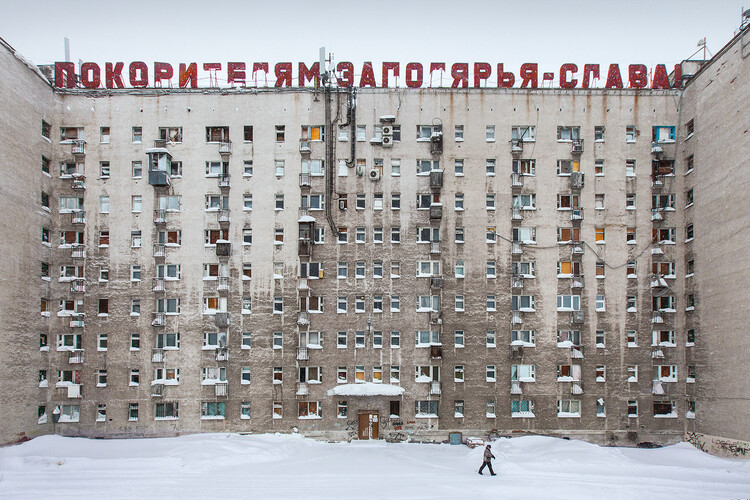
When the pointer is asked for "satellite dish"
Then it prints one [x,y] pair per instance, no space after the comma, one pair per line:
[746,14]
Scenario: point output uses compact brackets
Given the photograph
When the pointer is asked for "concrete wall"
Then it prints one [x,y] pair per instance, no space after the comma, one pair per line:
[716,101]
[26,100]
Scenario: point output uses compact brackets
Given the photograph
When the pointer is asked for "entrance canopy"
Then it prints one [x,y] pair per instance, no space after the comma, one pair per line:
[366,389]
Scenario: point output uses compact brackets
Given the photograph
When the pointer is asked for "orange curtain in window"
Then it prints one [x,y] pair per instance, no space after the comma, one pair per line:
[315,134]
[565,268]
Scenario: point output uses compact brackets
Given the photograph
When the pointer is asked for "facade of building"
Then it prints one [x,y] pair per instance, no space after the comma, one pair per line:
[376,263]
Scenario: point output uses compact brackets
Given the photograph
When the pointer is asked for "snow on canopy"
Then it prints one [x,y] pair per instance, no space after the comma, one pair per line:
[306,218]
[366,389]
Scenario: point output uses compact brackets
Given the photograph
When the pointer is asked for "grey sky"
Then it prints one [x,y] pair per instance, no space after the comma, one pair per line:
[512,32]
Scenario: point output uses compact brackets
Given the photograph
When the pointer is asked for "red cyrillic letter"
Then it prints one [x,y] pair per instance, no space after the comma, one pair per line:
[411,68]
[390,66]
[96,75]
[661,80]
[65,75]
[460,74]
[113,75]
[505,79]
[236,73]
[283,72]
[614,79]
[368,76]
[589,71]
[346,70]
[482,71]
[564,70]
[188,74]
[529,75]
[637,76]
[138,74]
[162,71]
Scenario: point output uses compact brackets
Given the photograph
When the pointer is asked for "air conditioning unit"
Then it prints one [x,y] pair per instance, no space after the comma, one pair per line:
[387,130]
[387,141]
[374,174]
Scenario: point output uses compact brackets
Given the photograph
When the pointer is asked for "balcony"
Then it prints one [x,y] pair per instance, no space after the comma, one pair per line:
[657,317]
[515,213]
[576,214]
[78,147]
[577,282]
[224,181]
[305,180]
[305,247]
[222,319]
[78,285]
[303,354]
[223,248]
[158,285]
[160,250]
[77,320]
[221,390]
[576,180]
[436,212]
[516,282]
[657,353]
[222,284]
[157,355]
[225,148]
[656,149]
[160,319]
[436,179]
[157,390]
[576,352]
[436,352]
[516,180]
[516,318]
[223,217]
[79,182]
[436,142]
[576,317]
[576,249]
[515,387]
[74,391]
[160,216]
[435,388]
[577,147]
[78,252]
[304,146]
[303,318]
[436,318]
[436,282]
[222,354]
[159,178]
[435,247]
[657,387]
[76,356]
[576,388]
[516,248]
[78,217]
[516,147]
[516,352]
[302,389]
[657,214]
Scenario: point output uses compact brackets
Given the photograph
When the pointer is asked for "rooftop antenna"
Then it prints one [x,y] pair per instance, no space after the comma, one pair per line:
[67,49]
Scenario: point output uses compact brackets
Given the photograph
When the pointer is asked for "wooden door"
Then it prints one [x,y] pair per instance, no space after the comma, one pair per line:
[364,426]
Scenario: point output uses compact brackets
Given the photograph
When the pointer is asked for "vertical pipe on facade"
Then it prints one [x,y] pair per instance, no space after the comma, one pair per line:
[329,160]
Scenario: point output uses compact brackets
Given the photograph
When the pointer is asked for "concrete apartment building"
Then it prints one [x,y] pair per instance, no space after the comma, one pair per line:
[407,262]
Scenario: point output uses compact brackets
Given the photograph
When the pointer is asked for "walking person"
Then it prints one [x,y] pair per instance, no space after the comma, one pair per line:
[488,456]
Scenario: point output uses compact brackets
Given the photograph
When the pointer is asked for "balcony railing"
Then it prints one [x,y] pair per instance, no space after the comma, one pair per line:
[516,248]
[222,319]
[78,285]
[78,147]
[222,354]
[225,148]
[576,214]
[516,147]
[78,217]
[303,318]
[222,390]
[515,387]
[516,282]
[303,354]
[434,247]
[515,213]
[435,388]
[577,147]
[157,390]
[224,180]
[223,216]
[157,355]
[305,180]
[516,318]
[436,179]
[160,319]
[160,216]
[223,248]
[78,252]
[436,212]
[436,352]
[77,320]
[436,282]
[76,356]
[516,180]
[302,389]
[160,250]
[576,282]
[576,180]
[222,284]
[576,317]
[159,284]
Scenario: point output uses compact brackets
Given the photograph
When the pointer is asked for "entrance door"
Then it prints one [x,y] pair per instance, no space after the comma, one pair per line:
[368,426]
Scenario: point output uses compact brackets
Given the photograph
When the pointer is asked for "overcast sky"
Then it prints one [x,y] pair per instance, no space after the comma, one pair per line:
[548,32]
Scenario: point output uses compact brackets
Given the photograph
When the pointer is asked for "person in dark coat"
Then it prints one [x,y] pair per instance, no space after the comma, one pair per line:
[488,456]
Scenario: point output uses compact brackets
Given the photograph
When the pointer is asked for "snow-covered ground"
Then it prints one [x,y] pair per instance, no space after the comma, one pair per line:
[288,466]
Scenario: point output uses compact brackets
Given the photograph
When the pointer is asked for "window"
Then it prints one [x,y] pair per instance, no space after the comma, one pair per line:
[377,269]
[632,373]
[459,235]
[377,235]
[460,269]
[395,235]
[665,409]
[630,303]
[280,131]
[45,165]
[377,341]
[630,236]
[689,232]
[341,375]
[662,134]
[630,269]
[341,409]
[459,133]
[491,303]
[599,167]
[490,201]
[458,167]
[278,305]
[395,167]
[426,409]
[568,338]
[459,303]
[395,340]
[600,269]
[361,133]
[359,269]
[566,167]
[277,405]
[395,201]
[424,167]
[524,167]
[522,303]
[458,373]
[689,128]
[599,235]
[135,307]
[278,236]
[133,412]
[599,201]
[689,198]
[523,337]
[278,375]
[491,338]
[46,130]
[600,306]
[629,168]
[135,377]
[522,408]
[490,166]
[359,304]
[459,202]
[489,408]
[489,133]
[359,373]
[359,235]
[458,408]
[104,204]
[247,236]
[568,133]
[279,168]
[217,134]
[137,134]
[689,164]
[101,378]
[377,303]
[599,133]
[341,305]
[568,302]
[630,133]
[458,338]
[213,410]
[568,408]
[527,235]
[135,341]
[135,239]
[395,303]
[103,307]
[632,408]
